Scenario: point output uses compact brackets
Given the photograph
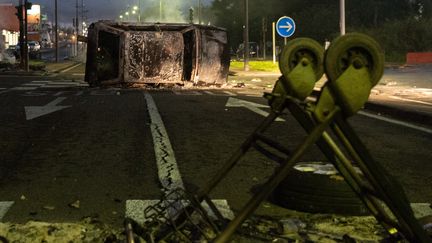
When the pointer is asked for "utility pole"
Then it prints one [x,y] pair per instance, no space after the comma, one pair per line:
[199,11]
[139,11]
[26,51]
[82,16]
[160,10]
[246,36]
[20,15]
[264,31]
[56,32]
[76,28]
[191,15]
[342,17]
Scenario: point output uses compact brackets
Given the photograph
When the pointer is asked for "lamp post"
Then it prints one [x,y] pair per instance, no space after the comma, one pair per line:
[26,49]
[342,17]
[160,10]
[136,10]
[246,36]
[199,11]
[56,32]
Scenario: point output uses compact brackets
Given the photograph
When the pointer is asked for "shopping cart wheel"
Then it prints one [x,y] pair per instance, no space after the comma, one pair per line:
[298,49]
[354,49]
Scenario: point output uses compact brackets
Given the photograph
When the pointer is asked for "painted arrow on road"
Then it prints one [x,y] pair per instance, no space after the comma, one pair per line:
[33,112]
[255,107]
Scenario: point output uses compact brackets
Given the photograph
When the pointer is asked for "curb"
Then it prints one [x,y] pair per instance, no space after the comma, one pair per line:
[59,70]
[395,112]
[38,73]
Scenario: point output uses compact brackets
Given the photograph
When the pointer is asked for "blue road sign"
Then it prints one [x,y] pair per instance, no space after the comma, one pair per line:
[285,26]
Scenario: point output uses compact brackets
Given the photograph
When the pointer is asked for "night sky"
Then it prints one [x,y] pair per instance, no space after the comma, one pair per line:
[103,9]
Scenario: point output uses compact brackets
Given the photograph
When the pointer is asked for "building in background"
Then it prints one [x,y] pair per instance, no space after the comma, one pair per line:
[9,25]
[34,23]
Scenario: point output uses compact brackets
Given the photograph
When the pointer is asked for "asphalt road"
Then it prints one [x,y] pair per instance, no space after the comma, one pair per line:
[68,151]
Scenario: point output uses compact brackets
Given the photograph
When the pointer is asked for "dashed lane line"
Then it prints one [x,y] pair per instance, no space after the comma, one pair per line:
[4,208]
[397,122]
[24,88]
[187,93]
[168,172]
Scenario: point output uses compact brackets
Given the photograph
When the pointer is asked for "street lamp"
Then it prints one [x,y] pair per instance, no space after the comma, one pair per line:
[199,11]
[342,17]
[137,10]
[246,37]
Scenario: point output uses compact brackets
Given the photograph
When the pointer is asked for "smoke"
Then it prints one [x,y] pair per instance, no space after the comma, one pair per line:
[174,11]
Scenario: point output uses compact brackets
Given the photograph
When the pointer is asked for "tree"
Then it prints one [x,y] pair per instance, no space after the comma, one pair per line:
[319,19]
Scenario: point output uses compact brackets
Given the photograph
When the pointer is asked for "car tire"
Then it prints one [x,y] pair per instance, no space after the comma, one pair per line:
[317,193]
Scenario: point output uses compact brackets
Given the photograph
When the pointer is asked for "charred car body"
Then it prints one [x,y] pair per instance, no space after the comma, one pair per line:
[136,53]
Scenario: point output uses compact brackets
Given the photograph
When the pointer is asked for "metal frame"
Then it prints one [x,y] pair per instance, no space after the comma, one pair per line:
[325,123]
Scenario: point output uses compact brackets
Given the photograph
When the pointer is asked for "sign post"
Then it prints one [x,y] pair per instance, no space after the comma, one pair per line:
[285,27]
[274,41]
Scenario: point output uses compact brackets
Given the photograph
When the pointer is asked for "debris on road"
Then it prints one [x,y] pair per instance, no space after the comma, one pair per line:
[58,232]
[75,204]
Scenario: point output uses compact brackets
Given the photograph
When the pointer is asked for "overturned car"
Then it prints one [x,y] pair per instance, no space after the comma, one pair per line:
[153,53]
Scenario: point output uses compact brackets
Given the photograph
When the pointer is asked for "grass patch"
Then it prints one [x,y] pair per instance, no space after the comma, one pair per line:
[37,65]
[266,66]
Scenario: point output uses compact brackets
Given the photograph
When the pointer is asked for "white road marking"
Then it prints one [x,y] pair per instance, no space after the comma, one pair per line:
[55,86]
[220,93]
[24,88]
[70,68]
[33,84]
[3,88]
[33,112]
[410,100]
[71,83]
[78,74]
[230,93]
[168,172]
[255,107]
[209,92]
[187,93]
[397,122]
[4,208]
[250,94]
[40,81]
[135,208]
[421,209]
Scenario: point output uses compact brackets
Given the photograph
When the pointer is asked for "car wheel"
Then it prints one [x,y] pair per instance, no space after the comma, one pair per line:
[318,193]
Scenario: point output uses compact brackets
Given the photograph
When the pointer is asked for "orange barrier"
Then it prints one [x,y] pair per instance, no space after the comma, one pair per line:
[419,57]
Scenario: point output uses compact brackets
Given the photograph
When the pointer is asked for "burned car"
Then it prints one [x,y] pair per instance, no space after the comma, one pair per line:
[153,53]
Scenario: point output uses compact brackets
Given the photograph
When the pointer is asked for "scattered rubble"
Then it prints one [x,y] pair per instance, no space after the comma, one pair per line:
[75,204]
[33,231]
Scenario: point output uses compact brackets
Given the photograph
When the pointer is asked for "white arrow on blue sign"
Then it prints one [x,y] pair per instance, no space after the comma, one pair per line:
[285,26]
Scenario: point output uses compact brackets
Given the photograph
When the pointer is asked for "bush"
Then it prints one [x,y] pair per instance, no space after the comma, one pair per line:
[399,37]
